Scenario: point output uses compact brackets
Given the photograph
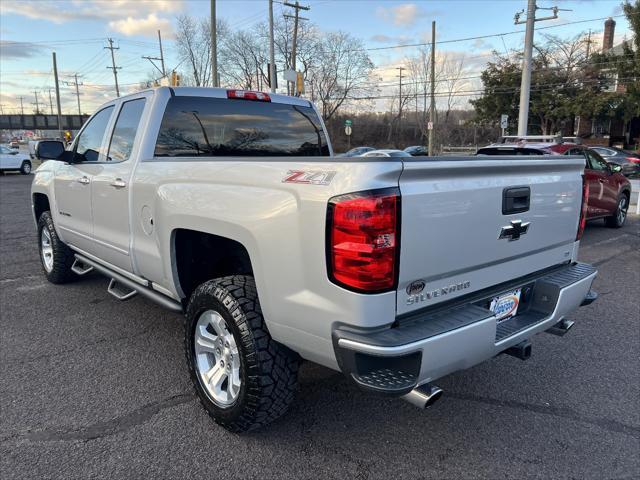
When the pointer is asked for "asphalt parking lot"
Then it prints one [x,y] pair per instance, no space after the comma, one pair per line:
[94,388]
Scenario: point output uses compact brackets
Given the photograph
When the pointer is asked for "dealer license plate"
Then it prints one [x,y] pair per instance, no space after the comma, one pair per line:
[506,305]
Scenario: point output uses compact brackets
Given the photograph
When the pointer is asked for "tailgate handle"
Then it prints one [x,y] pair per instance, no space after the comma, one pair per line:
[515,200]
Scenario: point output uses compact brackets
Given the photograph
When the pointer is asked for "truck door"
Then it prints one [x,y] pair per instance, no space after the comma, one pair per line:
[110,192]
[73,183]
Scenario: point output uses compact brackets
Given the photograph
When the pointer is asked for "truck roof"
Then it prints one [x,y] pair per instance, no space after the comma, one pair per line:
[212,92]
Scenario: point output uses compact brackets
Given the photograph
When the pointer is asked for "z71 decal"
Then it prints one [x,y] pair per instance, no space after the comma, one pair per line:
[317,177]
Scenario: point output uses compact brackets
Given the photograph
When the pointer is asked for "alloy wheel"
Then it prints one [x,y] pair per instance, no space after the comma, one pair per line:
[217,358]
[46,250]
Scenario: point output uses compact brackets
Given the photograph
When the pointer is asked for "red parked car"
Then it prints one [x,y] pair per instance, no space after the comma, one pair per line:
[609,190]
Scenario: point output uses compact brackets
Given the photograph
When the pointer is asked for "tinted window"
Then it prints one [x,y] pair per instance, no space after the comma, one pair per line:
[90,140]
[196,126]
[124,133]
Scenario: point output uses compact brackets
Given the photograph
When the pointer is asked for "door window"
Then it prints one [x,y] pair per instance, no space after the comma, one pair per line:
[596,162]
[124,133]
[89,142]
[4,149]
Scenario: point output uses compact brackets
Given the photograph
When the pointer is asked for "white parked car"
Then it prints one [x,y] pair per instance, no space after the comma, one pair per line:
[386,153]
[11,159]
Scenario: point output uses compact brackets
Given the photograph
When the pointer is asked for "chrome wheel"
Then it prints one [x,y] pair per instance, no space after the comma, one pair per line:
[217,358]
[46,250]
[622,210]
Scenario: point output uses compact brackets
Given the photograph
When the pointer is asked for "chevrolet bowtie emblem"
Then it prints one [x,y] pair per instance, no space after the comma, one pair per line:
[515,230]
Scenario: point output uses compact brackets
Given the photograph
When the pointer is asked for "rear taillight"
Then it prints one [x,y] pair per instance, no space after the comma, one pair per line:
[583,209]
[248,95]
[363,240]
[633,159]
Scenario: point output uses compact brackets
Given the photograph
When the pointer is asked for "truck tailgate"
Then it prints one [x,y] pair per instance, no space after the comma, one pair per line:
[452,221]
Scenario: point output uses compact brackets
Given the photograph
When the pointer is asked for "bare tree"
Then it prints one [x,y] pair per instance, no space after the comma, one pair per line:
[193,40]
[341,70]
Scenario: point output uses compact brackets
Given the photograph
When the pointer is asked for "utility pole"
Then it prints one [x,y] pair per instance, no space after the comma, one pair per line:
[21,107]
[272,57]
[296,18]
[589,44]
[525,85]
[400,105]
[432,111]
[76,84]
[55,76]
[151,59]
[50,101]
[164,72]
[113,64]
[214,46]
[37,105]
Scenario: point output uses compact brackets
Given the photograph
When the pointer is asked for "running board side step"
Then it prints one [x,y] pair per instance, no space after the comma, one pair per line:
[120,281]
[80,268]
[117,291]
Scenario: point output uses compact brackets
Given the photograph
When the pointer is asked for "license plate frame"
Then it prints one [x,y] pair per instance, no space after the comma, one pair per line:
[505,305]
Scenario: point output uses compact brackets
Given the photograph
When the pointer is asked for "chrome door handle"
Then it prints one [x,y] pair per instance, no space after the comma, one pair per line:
[118,183]
[601,180]
[84,180]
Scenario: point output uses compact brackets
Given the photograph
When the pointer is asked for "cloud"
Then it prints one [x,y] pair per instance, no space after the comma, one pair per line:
[141,26]
[18,49]
[64,11]
[401,15]
[381,38]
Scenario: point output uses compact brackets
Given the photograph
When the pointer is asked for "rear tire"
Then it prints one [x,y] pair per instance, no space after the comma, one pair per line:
[620,215]
[224,323]
[56,258]
[25,168]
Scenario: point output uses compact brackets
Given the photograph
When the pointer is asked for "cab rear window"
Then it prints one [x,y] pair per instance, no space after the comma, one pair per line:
[220,127]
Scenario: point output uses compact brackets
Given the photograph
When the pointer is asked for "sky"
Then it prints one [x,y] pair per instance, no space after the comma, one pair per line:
[77,30]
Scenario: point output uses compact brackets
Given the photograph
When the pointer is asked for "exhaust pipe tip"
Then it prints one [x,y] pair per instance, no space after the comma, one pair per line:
[424,396]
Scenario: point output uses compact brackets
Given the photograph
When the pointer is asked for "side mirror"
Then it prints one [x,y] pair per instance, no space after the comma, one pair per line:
[49,150]
[614,167]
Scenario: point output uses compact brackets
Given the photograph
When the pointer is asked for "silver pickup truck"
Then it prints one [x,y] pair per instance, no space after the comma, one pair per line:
[229,206]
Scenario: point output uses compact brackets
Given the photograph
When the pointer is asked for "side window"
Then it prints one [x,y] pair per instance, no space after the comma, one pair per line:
[90,140]
[124,132]
[596,162]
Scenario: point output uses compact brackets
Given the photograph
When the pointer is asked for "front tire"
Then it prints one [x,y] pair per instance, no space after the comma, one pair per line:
[243,378]
[620,215]
[56,258]
[25,168]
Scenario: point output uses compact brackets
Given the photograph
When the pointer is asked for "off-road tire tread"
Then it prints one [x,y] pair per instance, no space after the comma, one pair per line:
[63,256]
[271,369]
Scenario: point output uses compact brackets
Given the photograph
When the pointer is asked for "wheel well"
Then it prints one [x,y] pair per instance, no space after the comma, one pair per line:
[198,257]
[40,204]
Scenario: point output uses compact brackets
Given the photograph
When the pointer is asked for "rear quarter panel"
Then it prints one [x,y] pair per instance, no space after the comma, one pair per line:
[282,226]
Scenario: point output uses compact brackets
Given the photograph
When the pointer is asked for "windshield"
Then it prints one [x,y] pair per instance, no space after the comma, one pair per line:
[219,127]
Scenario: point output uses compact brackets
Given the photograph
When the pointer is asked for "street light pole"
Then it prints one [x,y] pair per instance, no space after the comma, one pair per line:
[525,84]
[272,56]
[214,46]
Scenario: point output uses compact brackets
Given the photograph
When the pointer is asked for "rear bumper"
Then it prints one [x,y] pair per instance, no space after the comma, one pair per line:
[395,360]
